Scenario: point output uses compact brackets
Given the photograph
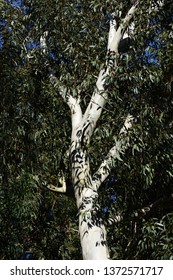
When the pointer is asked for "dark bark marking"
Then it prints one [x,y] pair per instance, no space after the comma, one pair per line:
[86,232]
[79,133]
[99,108]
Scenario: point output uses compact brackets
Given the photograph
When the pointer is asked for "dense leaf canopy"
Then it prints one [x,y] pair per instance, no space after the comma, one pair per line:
[36,126]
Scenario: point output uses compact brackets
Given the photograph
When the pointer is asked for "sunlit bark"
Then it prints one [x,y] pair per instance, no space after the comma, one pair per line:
[91,228]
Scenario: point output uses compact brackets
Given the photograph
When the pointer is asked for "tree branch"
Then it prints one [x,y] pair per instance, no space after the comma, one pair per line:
[115,35]
[65,188]
[160,205]
[99,96]
[115,153]
[72,102]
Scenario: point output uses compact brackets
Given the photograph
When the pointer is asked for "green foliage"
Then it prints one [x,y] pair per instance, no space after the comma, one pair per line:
[36,126]
[156,239]
[31,220]
[19,203]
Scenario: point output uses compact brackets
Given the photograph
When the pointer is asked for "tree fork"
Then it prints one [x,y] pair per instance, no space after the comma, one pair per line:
[91,228]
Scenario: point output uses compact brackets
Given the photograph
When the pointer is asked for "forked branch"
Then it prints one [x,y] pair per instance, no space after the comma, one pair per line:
[100,95]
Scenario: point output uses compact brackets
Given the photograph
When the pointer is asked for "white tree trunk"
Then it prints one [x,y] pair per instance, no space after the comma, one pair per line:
[91,228]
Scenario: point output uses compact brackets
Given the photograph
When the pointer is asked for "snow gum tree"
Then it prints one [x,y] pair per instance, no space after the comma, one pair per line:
[86,185]
[105,61]
[91,228]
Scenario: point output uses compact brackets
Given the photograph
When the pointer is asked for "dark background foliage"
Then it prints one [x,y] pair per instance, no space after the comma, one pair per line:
[36,128]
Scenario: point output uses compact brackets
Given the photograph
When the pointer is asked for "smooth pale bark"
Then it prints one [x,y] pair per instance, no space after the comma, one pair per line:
[91,228]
